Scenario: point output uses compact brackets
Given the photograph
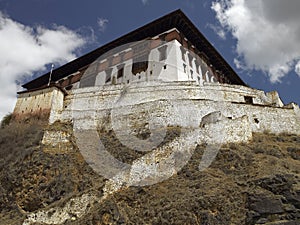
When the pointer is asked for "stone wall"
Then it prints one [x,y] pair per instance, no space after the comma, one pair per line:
[179,103]
[45,103]
[170,103]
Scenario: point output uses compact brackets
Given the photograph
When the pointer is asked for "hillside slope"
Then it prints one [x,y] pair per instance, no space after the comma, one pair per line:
[253,183]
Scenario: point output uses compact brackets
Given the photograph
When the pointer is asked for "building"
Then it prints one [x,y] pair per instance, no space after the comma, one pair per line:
[175,60]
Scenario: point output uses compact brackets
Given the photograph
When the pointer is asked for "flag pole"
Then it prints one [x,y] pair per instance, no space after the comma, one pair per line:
[52,66]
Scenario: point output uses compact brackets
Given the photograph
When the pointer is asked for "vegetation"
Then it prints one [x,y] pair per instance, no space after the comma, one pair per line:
[31,177]
[250,183]
[6,120]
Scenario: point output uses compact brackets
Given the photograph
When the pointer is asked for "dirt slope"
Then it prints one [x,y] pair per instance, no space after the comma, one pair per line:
[253,183]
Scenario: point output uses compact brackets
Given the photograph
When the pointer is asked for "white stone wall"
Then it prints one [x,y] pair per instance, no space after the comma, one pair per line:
[57,105]
[169,69]
[179,103]
[48,101]
[174,103]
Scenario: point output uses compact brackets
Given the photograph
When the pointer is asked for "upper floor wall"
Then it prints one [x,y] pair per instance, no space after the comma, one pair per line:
[159,30]
[168,57]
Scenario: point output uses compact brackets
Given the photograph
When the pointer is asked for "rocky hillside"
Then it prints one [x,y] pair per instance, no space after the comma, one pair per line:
[253,183]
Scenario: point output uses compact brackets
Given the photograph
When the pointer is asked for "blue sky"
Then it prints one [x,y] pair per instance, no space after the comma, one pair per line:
[257,40]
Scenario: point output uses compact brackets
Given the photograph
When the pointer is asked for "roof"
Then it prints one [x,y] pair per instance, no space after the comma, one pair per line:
[176,19]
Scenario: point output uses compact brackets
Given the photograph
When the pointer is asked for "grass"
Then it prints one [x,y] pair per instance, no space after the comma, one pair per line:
[17,140]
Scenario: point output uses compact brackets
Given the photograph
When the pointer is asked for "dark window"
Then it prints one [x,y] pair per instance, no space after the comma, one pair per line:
[162,52]
[192,74]
[138,67]
[120,73]
[165,66]
[197,67]
[190,60]
[120,70]
[108,78]
[140,63]
[184,68]
[248,99]
[199,79]
[182,52]
[108,75]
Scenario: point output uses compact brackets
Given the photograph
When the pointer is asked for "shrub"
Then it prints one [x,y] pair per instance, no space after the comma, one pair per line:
[6,120]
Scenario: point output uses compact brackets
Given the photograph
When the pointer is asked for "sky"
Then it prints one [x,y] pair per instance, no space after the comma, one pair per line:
[258,38]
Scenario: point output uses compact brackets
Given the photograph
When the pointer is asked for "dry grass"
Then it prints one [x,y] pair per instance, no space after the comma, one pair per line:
[17,140]
[218,195]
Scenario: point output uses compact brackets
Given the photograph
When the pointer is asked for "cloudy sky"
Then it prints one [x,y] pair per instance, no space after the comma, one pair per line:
[258,38]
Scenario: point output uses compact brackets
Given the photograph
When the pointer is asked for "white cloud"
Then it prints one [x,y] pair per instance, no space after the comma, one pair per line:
[145,2]
[25,50]
[297,68]
[218,30]
[267,33]
[102,23]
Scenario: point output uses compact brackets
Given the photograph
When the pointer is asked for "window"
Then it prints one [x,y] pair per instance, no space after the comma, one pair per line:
[139,67]
[190,60]
[182,53]
[165,67]
[184,67]
[162,52]
[120,71]
[197,67]
[108,75]
[248,99]
[140,64]
[191,71]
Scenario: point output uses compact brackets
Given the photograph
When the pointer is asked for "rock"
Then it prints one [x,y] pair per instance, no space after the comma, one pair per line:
[294,153]
[265,205]
[212,117]
[262,221]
